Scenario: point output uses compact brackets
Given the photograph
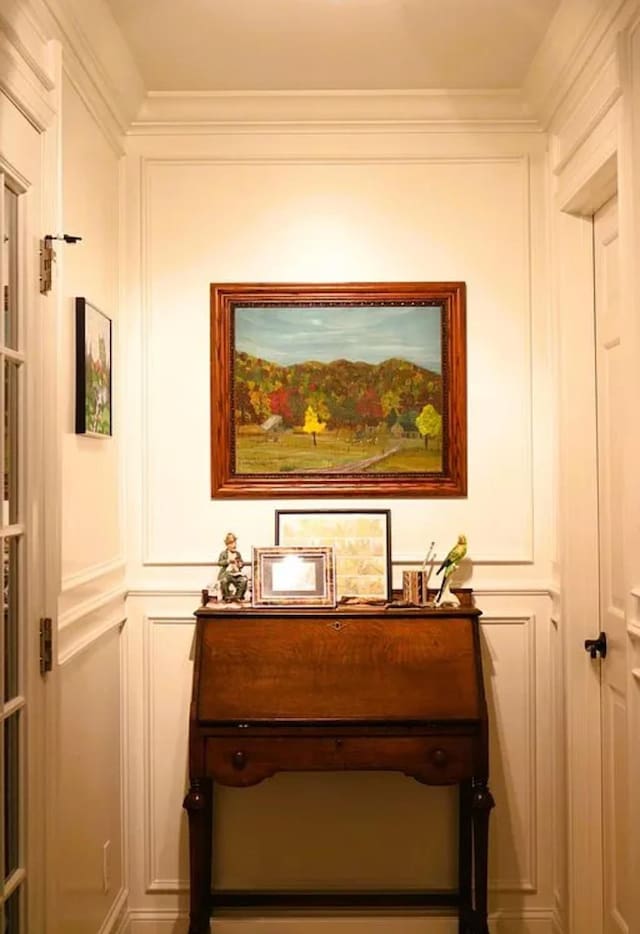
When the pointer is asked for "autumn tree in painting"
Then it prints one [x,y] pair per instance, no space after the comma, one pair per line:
[429,424]
[312,424]
[344,396]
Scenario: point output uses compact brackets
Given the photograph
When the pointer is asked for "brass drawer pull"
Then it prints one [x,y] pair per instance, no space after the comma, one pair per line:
[439,757]
[239,759]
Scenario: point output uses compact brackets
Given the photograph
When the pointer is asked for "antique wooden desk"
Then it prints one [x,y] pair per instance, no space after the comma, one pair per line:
[398,689]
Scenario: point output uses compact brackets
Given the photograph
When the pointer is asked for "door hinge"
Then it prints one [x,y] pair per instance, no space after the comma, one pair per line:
[47,257]
[46,645]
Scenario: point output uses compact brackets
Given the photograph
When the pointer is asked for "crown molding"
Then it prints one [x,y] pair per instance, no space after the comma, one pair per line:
[96,56]
[425,110]
[25,65]
[578,46]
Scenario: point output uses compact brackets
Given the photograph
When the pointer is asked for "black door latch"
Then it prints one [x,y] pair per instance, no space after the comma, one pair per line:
[597,646]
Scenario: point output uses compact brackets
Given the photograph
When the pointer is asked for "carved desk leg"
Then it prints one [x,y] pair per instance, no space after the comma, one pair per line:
[481,804]
[199,807]
[464,857]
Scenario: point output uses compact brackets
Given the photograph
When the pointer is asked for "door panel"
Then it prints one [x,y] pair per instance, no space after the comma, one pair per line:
[21,688]
[611,440]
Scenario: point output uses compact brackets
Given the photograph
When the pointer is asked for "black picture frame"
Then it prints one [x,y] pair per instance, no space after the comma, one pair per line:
[361,539]
[94,413]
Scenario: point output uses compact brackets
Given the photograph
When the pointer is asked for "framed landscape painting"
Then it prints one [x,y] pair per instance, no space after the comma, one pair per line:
[93,371]
[338,390]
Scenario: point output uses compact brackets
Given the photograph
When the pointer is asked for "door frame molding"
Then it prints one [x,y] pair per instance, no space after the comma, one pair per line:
[598,168]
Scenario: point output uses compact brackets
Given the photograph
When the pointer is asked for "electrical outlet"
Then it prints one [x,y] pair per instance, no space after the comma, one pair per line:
[106,867]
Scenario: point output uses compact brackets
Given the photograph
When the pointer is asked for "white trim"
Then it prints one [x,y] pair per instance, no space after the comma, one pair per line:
[597,101]
[94,49]
[117,914]
[92,573]
[524,885]
[519,921]
[74,71]
[580,38]
[27,40]
[23,75]
[192,112]
[589,179]
[69,648]
[82,610]
[151,884]
[490,589]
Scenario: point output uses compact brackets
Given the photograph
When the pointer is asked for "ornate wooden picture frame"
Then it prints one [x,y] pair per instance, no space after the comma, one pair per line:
[295,577]
[338,390]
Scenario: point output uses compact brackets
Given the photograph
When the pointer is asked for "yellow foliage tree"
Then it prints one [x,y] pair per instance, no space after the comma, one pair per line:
[312,424]
[429,424]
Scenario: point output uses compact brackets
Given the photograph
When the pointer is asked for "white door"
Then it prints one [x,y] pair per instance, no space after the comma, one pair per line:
[612,430]
[21,523]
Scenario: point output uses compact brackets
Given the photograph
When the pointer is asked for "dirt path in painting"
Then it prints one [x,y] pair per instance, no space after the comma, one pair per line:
[355,466]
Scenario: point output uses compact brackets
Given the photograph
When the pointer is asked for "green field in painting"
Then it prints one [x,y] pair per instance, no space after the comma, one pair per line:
[292,452]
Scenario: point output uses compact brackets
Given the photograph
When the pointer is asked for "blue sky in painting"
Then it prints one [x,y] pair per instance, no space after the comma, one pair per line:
[370,335]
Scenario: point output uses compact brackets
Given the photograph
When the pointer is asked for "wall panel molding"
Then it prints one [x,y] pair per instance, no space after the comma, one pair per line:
[89,621]
[93,573]
[157,554]
[153,881]
[527,881]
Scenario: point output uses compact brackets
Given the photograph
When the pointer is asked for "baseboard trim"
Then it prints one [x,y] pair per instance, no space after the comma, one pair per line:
[165,921]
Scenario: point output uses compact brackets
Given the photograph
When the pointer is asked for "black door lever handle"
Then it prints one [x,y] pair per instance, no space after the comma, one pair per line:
[597,646]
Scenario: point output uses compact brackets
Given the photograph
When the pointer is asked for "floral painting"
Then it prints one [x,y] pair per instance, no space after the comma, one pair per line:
[93,370]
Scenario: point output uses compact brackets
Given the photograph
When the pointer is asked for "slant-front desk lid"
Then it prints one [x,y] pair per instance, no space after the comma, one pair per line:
[306,666]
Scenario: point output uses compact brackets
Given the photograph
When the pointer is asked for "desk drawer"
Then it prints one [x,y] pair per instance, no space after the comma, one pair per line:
[438,760]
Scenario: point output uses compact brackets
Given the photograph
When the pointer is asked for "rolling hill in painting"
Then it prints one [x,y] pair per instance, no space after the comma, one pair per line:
[345,415]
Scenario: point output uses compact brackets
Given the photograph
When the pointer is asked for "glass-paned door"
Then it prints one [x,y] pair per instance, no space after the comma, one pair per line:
[12,545]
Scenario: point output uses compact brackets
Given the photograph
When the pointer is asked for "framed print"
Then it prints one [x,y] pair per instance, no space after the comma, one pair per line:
[293,577]
[361,541]
[338,390]
[93,371]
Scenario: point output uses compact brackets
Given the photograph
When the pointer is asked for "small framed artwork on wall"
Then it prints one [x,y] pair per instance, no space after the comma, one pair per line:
[361,540]
[93,371]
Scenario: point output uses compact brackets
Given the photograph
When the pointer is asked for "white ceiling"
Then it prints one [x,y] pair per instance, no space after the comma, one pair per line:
[283,45]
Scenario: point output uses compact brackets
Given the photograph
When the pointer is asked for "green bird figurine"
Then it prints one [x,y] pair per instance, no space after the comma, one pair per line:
[450,563]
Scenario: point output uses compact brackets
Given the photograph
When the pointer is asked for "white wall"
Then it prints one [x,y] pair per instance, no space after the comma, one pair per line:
[313,205]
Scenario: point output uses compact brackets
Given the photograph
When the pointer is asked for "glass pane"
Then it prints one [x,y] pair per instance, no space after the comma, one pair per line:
[10,268]
[11,389]
[11,594]
[11,794]
[12,913]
